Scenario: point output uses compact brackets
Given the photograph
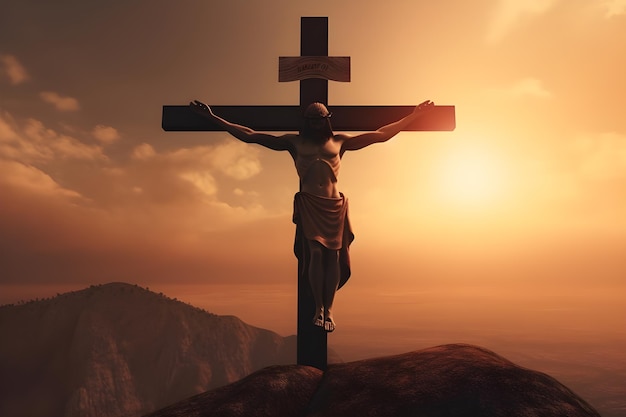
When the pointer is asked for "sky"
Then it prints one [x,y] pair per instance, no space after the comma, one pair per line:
[514,224]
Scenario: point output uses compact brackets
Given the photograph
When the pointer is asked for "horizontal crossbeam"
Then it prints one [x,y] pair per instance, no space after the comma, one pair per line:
[289,118]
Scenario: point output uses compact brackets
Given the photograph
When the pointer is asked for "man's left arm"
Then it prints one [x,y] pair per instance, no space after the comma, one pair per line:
[353,143]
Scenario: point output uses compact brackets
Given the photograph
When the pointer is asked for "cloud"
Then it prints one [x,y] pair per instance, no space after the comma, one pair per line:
[143,152]
[184,176]
[154,215]
[13,69]
[526,87]
[32,179]
[529,87]
[234,159]
[115,213]
[241,193]
[106,134]
[205,168]
[61,103]
[614,8]
[48,144]
[508,13]
[46,235]
[7,132]
[203,181]
[32,142]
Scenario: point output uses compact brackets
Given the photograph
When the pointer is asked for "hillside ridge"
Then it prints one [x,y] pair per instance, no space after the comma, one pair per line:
[119,349]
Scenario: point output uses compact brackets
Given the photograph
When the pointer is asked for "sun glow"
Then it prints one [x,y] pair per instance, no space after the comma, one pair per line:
[469,177]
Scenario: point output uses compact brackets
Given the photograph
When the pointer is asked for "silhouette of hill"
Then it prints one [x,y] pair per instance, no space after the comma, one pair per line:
[121,350]
[444,381]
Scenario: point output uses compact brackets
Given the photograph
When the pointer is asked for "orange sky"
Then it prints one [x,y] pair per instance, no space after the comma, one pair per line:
[524,201]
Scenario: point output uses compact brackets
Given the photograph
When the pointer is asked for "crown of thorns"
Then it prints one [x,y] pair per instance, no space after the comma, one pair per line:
[317,111]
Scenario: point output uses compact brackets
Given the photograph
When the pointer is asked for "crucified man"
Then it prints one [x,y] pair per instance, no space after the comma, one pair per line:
[323,232]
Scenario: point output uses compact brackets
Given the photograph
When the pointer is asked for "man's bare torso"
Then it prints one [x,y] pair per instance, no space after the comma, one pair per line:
[318,163]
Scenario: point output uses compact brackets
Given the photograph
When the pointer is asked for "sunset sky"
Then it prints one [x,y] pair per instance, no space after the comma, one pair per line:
[516,220]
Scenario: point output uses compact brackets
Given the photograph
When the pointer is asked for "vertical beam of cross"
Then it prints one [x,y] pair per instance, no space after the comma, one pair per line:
[312,340]
[313,42]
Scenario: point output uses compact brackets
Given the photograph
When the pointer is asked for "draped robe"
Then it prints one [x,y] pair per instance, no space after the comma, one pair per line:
[326,221]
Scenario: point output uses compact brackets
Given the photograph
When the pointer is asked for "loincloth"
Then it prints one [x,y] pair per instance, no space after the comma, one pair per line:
[326,221]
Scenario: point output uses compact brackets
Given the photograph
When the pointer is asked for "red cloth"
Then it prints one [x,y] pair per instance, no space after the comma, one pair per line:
[326,221]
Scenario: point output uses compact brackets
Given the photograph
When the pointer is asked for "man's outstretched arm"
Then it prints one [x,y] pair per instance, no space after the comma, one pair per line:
[243,133]
[353,143]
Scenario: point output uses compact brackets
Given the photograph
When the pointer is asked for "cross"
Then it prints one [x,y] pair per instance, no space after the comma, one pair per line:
[313,69]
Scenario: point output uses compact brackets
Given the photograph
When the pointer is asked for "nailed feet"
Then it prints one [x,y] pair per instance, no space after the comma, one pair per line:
[324,320]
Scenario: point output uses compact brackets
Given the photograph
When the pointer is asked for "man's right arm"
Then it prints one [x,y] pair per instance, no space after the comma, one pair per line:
[243,133]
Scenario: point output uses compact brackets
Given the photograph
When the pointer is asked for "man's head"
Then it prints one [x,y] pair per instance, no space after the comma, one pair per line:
[317,121]
[316,111]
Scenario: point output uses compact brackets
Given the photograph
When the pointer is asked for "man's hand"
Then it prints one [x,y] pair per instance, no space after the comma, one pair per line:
[423,108]
[200,108]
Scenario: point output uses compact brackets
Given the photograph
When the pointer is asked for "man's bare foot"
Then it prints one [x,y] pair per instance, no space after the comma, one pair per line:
[318,320]
[329,324]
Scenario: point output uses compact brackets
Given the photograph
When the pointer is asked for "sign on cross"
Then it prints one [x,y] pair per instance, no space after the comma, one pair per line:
[313,69]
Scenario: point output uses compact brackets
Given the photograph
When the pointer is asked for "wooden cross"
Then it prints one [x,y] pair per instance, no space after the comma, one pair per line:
[313,69]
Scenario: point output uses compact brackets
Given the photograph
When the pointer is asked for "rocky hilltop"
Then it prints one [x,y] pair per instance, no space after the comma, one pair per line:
[120,350]
[444,381]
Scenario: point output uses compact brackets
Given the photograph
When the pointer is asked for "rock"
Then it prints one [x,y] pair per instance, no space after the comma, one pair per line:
[281,391]
[445,381]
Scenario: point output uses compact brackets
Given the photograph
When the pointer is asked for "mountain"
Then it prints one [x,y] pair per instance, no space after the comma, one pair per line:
[121,350]
[444,381]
